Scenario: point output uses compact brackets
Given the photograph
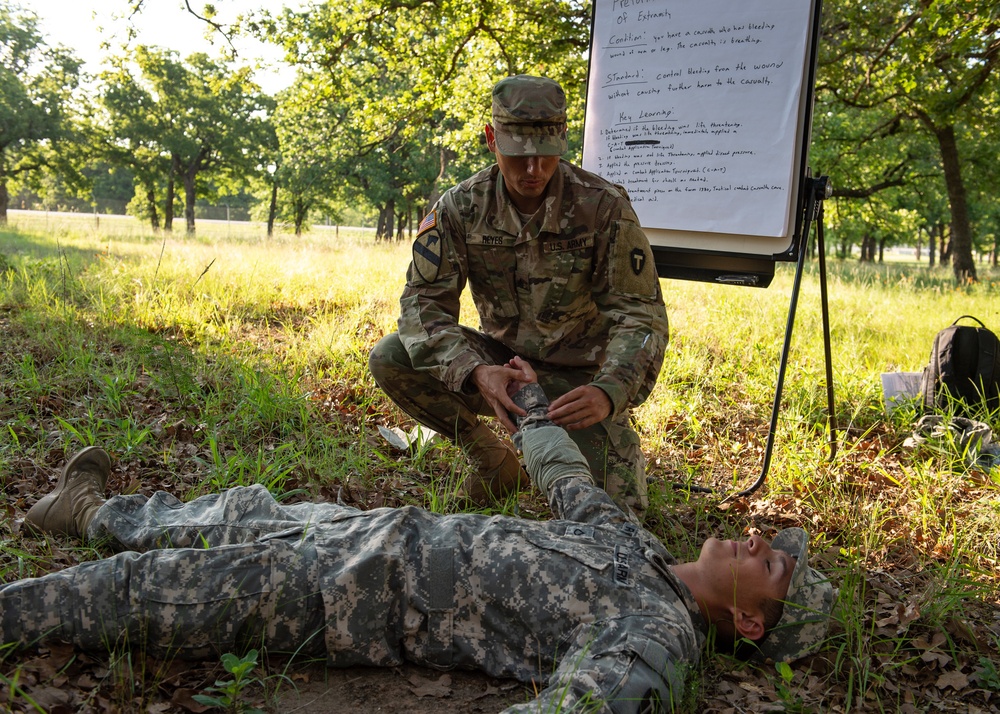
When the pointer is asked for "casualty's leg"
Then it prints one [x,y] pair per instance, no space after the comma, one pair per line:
[237,515]
[78,494]
[76,506]
[187,603]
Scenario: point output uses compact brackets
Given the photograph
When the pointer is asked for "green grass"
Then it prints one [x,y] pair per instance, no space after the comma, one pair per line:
[234,359]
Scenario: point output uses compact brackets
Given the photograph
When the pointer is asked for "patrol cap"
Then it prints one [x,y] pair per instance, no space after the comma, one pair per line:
[808,603]
[529,116]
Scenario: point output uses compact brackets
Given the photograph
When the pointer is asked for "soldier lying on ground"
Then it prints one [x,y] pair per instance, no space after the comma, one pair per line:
[590,605]
[560,273]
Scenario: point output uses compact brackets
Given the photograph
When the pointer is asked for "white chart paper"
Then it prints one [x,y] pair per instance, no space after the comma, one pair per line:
[694,107]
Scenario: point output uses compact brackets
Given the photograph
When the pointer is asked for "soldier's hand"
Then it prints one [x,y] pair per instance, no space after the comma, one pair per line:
[527,375]
[492,381]
[580,408]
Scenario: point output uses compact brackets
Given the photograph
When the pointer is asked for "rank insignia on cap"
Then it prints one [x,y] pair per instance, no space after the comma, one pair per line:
[430,220]
[427,253]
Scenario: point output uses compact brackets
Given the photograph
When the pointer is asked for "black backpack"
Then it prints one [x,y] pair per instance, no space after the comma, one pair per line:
[964,369]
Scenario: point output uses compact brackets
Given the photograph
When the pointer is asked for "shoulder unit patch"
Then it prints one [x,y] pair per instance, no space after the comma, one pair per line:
[427,254]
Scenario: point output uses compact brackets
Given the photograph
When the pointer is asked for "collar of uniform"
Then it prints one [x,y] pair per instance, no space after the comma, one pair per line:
[506,218]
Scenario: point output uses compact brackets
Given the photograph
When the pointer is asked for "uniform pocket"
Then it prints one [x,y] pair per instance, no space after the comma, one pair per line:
[562,282]
[582,551]
[491,275]
[206,600]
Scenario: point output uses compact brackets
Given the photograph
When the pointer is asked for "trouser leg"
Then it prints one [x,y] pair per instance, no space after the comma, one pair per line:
[188,603]
[611,448]
[424,397]
[454,415]
[236,515]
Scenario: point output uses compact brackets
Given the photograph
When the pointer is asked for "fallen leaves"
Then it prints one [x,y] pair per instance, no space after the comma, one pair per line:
[439,688]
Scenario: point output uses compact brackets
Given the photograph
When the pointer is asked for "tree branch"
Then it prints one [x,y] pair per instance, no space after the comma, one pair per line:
[137,8]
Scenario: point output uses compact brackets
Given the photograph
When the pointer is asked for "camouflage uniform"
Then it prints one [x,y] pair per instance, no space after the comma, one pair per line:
[574,291]
[587,605]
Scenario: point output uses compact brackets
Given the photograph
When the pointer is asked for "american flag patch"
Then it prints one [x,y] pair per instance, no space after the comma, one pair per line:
[430,220]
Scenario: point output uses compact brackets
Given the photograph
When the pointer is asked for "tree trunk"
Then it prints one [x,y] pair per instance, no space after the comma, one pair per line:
[962,263]
[168,209]
[881,251]
[380,224]
[386,217]
[189,176]
[299,211]
[272,210]
[867,249]
[4,200]
[444,158]
[154,217]
[400,227]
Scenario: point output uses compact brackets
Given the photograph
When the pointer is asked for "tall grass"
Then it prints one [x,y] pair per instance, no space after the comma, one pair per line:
[231,358]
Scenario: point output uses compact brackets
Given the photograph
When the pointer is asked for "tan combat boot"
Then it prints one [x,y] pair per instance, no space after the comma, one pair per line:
[78,494]
[498,470]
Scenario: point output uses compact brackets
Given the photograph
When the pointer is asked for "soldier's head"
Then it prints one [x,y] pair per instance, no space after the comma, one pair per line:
[762,593]
[527,135]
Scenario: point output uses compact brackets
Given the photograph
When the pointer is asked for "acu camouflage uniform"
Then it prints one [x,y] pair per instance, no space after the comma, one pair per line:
[588,606]
[574,291]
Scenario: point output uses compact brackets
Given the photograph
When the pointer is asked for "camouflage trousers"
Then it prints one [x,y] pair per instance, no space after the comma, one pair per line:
[611,447]
[241,571]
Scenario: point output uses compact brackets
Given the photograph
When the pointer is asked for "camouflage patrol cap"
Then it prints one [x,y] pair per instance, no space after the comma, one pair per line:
[529,116]
[808,603]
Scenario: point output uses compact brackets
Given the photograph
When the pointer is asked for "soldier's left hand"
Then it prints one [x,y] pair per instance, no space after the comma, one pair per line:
[580,408]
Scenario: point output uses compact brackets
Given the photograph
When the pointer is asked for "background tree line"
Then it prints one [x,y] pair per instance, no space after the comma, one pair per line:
[389,99]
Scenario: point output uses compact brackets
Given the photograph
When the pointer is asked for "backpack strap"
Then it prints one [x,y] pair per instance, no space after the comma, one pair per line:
[970,317]
[989,379]
[931,376]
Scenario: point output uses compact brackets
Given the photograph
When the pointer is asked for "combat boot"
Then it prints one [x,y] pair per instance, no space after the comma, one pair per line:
[498,470]
[77,495]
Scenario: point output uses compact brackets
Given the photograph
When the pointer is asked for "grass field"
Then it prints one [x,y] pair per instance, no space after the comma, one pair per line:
[229,358]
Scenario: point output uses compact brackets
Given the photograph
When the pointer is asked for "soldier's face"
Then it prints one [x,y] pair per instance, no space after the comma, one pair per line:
[526,177]
[745,572]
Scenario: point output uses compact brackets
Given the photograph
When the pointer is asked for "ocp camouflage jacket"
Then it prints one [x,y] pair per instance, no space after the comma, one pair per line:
[576,287]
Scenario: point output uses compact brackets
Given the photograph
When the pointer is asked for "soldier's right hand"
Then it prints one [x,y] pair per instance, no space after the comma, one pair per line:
[493,381]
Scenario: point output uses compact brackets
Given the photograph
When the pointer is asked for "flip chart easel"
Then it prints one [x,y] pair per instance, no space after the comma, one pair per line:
[702,112]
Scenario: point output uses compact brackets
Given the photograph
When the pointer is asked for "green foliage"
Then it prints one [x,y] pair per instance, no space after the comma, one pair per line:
[229,693]
[180,121]
[390,100]
[902,85]
[36,87]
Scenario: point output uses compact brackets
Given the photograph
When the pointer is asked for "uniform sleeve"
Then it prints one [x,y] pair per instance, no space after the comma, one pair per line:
[429,308]
[618,672]
[559,470]
[627,291]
